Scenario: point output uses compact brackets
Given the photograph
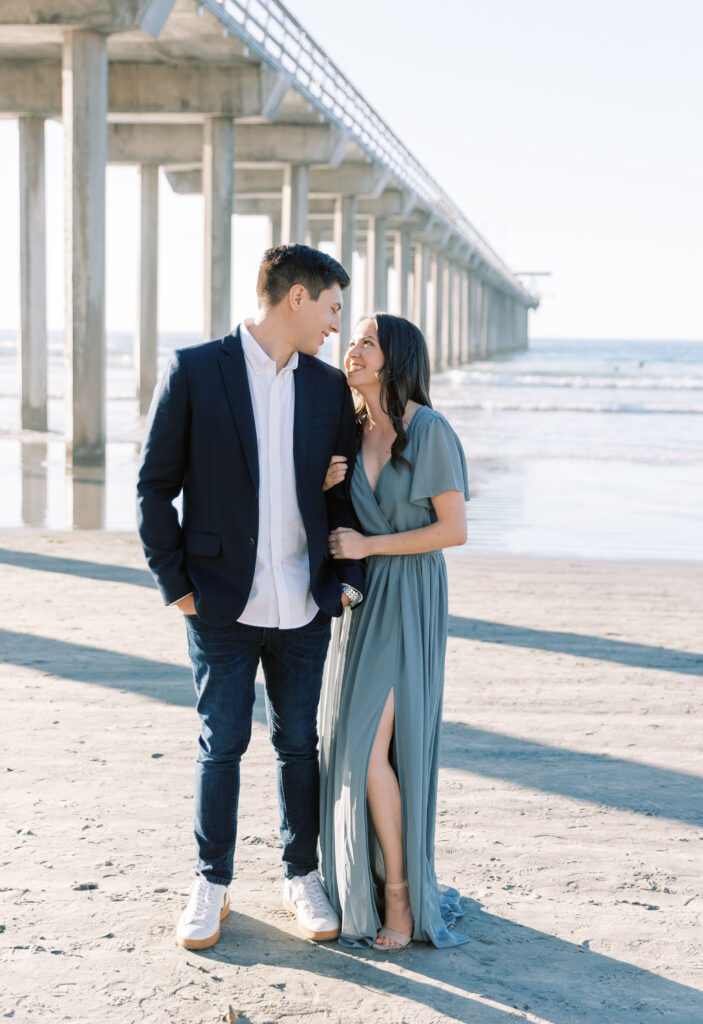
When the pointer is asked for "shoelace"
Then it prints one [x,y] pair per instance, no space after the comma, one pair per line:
[315,894]
[204,896]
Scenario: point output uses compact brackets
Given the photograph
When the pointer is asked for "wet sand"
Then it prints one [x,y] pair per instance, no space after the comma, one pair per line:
[570,806]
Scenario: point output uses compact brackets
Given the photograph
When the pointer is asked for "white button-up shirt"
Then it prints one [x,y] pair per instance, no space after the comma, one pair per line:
[280,593]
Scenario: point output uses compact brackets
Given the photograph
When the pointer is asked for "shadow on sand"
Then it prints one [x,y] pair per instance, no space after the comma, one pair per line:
[77,567]
[579,645]
[596,778]
[508,964]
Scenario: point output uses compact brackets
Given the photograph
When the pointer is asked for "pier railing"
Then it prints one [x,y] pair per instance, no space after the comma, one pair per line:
[268,29]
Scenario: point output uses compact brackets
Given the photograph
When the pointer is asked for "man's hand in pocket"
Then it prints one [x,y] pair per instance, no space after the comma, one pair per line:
[187,605]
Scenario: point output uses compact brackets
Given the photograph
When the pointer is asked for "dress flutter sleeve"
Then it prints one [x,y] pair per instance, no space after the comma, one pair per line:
[439,463]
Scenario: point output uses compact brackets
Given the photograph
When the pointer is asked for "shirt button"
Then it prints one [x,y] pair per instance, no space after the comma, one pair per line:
[252,541]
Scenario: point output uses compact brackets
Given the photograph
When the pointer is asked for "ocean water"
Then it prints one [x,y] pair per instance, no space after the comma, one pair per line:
[575,448]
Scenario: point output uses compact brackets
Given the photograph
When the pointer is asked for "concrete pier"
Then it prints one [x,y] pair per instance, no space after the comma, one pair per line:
[218,187]
[146,339]
[186,82]
[32,350]
[84,95]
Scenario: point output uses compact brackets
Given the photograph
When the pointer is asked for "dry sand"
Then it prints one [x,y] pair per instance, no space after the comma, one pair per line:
[570,807]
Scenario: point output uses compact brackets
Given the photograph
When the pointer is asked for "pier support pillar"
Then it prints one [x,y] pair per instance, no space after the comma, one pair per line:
[455,359]
[274,230]
[447,335]
[344,241]
[402,253]
[436,281]
[483,327]
[314,235]
[146,341]
[295,203]
[218,188]
[84,101]
[377,265]
[32,349]
[478,320]
[464,314]
[492,332]
[473,301]
[421,277]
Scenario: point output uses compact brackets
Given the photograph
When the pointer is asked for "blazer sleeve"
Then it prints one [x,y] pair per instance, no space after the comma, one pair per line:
[340,511]
[162,469]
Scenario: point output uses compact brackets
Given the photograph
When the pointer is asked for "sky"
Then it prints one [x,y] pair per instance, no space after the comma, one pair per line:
[568,132]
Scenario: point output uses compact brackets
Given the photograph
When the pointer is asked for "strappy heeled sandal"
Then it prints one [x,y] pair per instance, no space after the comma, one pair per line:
[401,938]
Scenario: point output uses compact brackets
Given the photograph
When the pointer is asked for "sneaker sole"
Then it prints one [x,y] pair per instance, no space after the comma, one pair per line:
[307,933]
[204,943]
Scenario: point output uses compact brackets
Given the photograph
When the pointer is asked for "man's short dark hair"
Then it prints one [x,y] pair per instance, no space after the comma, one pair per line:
[286,265]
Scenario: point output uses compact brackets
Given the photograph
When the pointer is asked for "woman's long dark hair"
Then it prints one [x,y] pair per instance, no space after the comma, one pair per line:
[404,377]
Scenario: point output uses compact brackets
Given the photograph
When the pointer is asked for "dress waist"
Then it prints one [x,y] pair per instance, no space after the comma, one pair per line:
[424,555]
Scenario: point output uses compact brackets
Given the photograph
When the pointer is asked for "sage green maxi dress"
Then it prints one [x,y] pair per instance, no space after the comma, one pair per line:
[396,638]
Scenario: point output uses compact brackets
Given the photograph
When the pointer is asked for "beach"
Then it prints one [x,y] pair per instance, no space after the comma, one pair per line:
[570,809]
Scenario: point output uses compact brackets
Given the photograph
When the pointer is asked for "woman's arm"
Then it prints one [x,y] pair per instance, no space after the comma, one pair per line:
[448,531]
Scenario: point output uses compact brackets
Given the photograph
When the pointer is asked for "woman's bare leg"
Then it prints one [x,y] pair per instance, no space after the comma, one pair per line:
[383,797]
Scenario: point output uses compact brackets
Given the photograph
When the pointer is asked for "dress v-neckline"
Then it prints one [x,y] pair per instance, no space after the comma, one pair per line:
[386,463]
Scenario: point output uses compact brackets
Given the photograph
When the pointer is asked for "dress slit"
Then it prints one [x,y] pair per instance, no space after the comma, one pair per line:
[373,846]
[377,876]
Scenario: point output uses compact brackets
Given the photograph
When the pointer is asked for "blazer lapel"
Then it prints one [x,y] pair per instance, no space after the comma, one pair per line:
[302,377]
[234,375]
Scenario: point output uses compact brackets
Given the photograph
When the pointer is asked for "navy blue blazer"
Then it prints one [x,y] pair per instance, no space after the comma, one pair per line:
[201,439]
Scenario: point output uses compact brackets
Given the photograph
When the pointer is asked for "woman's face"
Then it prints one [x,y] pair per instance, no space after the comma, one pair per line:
[364,357]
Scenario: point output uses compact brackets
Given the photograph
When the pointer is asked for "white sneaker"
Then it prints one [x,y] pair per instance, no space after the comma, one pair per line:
[199,924]
[304,896]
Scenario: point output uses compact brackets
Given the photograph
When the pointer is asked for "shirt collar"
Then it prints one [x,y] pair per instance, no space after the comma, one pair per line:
[257,359]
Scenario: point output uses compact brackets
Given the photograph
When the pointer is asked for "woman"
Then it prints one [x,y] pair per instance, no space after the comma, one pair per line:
[381,706]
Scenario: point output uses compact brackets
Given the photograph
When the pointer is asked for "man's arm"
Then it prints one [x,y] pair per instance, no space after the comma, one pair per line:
[340,511]
[162,470]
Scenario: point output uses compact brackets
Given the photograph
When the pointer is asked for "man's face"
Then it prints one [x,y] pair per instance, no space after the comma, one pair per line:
[316,320]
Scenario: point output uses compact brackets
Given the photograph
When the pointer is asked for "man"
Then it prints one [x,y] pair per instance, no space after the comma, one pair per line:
[245,426]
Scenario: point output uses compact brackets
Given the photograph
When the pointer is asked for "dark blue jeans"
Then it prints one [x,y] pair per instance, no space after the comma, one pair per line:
[225,660]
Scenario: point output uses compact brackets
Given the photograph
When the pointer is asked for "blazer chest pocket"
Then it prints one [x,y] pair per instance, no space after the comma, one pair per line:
[207,545]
